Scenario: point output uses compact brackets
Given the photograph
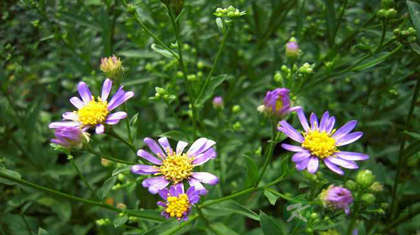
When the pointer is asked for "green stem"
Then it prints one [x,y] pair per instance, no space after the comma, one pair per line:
[114,134]
[90,150]
[273,143]
[74,198]
[175,229]
[82,177]
[127,125]
[178,121]
[384,24]
[394,202]
[401,220]
[355,212]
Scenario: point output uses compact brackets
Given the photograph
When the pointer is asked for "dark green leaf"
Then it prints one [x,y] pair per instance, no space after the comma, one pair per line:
[412,149]
[330,19]
[120,220]
[163,51]
[228,207]
[252,172]
[269,225]
[414,9]
[208,91]
[272,198]
[120,170]
[9,173]
[222,229]
[104,190]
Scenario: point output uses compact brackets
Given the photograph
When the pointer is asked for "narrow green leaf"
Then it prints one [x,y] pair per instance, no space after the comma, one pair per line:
[104,190]
[330,19]
[209,90]
[176,135]
[219,24]
[272,198]
[42,231]
[222,229]
[381,57]
[140,54]
[412,149]
[120,220]
[163,51]
[229,207]
[14,174]
[414,10]
[415,47]
[252,172]
[121,169]
[269,225]
[412,134]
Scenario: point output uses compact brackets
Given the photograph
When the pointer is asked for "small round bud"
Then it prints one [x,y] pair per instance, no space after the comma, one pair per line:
[112,68]
[192,77]
[292,49]
[412,31]
[236,109]
[200,74]
[200,65]
[365,178]
[278,78]
[314,215]
[376,187]
[368,198]
[237,126]
[381,13]
[179,74]
[396,32]
[285,69]
[391,13]
[412,39]
[350,184]
[131,9]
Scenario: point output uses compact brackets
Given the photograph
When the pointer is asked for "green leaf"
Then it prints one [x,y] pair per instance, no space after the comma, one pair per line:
[208,90]
[415,47]
[104,190]
[229,207]
[269,225]
[284,165]
[381,57]
[412,134]
[120,220]
[140,54]
[120,170]
[330,19]
[412,149]
[222,229]
[176,135]
[414,10]
[219,23]
[14,174]
[252,172]
[163,51]
[42,231]
[272,198]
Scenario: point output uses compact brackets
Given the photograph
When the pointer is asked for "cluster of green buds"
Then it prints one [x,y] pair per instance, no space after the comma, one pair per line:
[306,69]
[230,12]
[162,94]
[103,222]
[387,12]
[406,35]
[365,183]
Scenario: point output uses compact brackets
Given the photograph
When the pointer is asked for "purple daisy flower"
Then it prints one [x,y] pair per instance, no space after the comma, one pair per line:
[178,203]
[96,112]
[320,141]
[176,166]
[69,136]
[337,197]
[277,102]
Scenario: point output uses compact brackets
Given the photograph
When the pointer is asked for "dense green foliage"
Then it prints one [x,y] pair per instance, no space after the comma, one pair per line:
[362,64]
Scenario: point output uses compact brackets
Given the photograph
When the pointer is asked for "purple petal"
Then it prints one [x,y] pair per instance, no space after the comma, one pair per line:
[204,157]
[106,88]
[72,116]
[155,184]
[179,188]
[164,193]
[191,192]
[165,145]
[149,157]
[343,163]
[351,156]
[172,191]
[290,131]
[194,199]
[200,145]
[300,156]
[293,148]
[345,129]
[302,119]
[324,121]
[59,142]
[77,102]
[117,95]
[314,121]
[181,146]
[114,118]
[205,177]
[333,167]
[84,92]
[330,125]
[303,164]
[117,102]
[313,165]
[154,147]
[55,125]
[348,139]
[160,203]
[144,169]
[100,129]
[198,186]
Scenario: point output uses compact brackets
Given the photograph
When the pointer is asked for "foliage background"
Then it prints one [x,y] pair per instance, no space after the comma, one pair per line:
[47,47]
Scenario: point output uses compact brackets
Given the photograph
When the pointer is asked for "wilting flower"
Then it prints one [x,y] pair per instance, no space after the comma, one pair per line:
[336,197]
[218,102]
[178,203]
[112,67]
[320,142]
[69,136]
[176,166]
[277,102]
[96,112]
[292,49]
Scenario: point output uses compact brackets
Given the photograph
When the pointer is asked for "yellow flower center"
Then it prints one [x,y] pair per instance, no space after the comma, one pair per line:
[94,112]
[177,206]
[320,144]
[279,104]
[176,167]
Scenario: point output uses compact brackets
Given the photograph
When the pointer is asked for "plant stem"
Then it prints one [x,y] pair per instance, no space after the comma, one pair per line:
[273,143]
[178,121]
[90,150]
[127,125]
[74,198]
[117,136]
[83,177]
[394,202]
[180,226]
[401,220]
[384,24]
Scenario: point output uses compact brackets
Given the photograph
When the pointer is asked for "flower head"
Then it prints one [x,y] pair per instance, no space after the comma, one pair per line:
[292,49]
[69,136]
[178,203]
[96,112]
[176,166]
[112,67]
[337,197]
[218,102]
[320,141]
[277,102]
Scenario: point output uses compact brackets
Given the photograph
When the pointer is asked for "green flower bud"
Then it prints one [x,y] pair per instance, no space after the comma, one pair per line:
[384,205]
[237,126]
[314,215]
[200,65]
[285,69]
[412,39]
[200,74]
[278,78]
[131,9]
[396,32]
[368,198]
[179,74]
[365,178]
[376,187]
[236,109]
[412,31]
[391,13]
[192,77]
[351,185]
[292,49]
[381,13]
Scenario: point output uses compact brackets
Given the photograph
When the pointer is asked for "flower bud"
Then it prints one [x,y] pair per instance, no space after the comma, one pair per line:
[350,184]
[336,197]
[391,13]
[236,126]
[278,78]
[365,178]
[112,67]
[131,9]
[236,109]
[376,187]
[105,162]
[122,206]
[218,102]
[292,49]
[368,198]
[69,137]
[277,102]
[381,13]
[192,77]
[200,65]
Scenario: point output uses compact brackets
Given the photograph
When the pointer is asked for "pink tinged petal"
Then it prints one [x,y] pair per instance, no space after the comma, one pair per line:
[347,211]
[194,199]
[122,99]
[314,121]
[179,188]
[84,92]
[114,118]
[155,184]
[330,125]
[313,165]
[205,177]
[116,96]
[290,131]
[292,109]
[200,145]
[300,156]
[293,148]
[345,129]
[106,89]
[77,102]
[165,145]
[302,165]
[144,169]
[343,163]
[348,139]
[333,167]
[324,121]
[172,191]
[59,142]
[164,193]
[302,119]
[55,125]
[100,129]
[154,147]
[351,156]
[198,186]
[160,203]
[149,157]
[204,157]
[72,116]
[180,147]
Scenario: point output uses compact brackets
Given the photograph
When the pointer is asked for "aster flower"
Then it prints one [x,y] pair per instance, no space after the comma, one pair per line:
[176,166]
[178,203]
[320,142]
[96,112]
[337,197]
[69,136]
[277,102]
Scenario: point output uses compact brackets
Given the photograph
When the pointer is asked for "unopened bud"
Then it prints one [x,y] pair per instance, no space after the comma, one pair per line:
[368,198]
[278,78]
[236,109]
[350,184]
[292,49]
[365,178]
